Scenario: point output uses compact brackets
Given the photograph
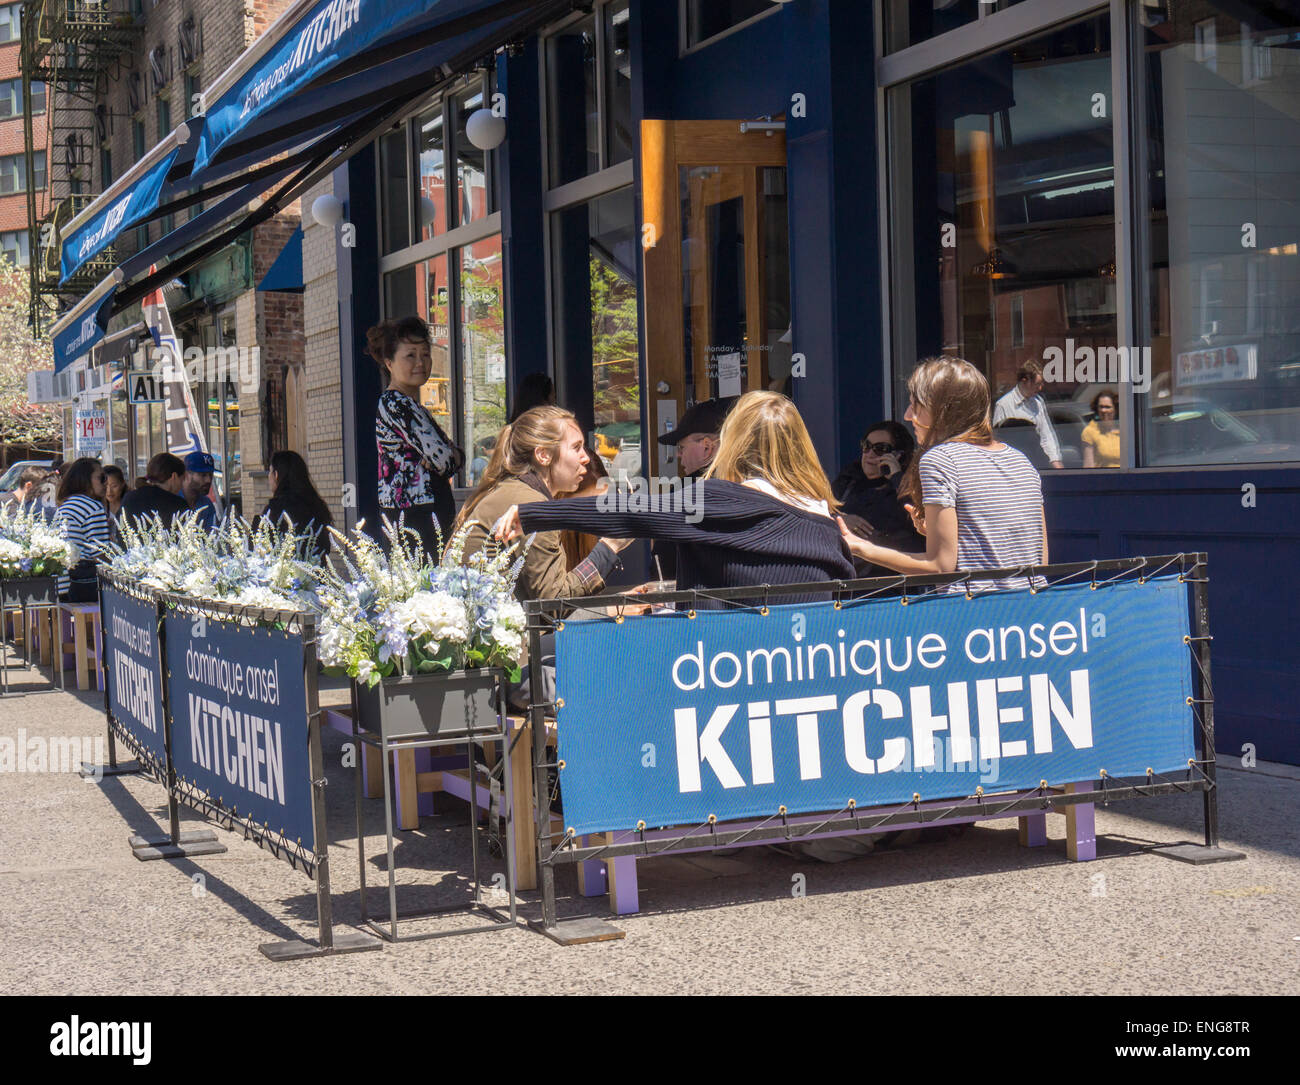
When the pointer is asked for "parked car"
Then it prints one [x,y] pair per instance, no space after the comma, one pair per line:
[1195,431]
[10,478]
[1067,420]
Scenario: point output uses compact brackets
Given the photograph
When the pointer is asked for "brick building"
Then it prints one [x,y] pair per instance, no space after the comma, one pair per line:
[183,46]
[14,239]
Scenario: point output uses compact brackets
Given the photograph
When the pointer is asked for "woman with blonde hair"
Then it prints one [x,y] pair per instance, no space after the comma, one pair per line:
[761,515]
[540,454]
[977,501]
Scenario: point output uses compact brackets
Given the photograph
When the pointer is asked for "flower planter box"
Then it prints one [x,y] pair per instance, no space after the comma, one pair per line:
[450,705]
[32,591]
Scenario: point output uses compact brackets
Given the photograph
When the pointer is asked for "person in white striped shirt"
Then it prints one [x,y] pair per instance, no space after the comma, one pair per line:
[82,519]
[978,502]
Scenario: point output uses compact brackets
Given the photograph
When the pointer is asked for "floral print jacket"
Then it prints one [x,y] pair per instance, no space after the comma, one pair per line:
[415,457]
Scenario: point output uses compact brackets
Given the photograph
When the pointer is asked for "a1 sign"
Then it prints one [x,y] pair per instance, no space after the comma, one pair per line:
[90,431]
[144,387]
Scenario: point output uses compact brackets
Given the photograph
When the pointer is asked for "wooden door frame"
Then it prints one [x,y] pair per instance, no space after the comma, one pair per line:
[665,147]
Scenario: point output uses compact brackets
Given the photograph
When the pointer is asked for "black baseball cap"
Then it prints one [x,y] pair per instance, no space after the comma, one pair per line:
[706,416]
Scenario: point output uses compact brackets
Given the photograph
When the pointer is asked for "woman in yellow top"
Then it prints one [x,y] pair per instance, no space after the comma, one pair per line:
[1101,435]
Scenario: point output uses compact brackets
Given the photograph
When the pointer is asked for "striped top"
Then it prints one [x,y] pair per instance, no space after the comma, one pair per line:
[83,521]
[999,501]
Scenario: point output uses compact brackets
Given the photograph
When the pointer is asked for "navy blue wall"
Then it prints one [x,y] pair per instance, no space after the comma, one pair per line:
[1254,590]
[362,383]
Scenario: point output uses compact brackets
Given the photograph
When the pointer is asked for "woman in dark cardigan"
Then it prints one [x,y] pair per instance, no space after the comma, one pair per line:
[763,514]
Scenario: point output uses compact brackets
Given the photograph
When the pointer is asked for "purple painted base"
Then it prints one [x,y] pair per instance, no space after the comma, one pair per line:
[620,877]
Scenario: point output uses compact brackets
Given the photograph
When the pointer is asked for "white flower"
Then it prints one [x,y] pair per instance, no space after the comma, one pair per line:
[510,615]
[365,668]
[435,614]
[508,640]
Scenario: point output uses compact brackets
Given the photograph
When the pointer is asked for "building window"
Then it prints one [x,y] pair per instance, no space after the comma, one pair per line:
[16,247]
[105,168]
[13,172]
[164,117]
[908,22]
[594,257]
[1207,44]
[138,139]
[193,93]
[11,98]
[993,168]
[704,20]
[10,22]
[1222,269]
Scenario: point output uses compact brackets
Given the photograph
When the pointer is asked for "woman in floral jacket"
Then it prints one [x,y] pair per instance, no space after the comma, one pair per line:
[416,458]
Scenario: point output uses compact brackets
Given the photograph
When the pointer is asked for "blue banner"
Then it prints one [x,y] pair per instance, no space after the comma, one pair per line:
[238,702]
[133,672]
[81,335]
[102,229]
[329,33]
[668,719]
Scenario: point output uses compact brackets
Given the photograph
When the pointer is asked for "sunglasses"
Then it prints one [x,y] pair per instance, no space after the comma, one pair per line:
[879,448]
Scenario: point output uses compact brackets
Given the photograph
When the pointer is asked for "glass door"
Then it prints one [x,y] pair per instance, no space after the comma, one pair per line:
[716,242]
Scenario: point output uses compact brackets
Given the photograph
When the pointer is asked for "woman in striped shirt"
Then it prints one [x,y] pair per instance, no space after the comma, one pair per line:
[82,519]
[978,502]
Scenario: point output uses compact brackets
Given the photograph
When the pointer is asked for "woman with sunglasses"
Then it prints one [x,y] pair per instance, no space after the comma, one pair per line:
[82,519]
[867,489]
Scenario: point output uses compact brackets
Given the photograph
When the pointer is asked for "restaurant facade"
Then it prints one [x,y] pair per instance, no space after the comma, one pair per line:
[693,198]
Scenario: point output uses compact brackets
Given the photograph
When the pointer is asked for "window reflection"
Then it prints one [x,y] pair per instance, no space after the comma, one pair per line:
[483,353]
[574,119]
[1222,87]
[471,165]
[1005,170]
[432,211]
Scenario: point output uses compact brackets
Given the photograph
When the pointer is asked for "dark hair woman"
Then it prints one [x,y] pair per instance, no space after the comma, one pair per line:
[978,502]
[867,489]
[114,488]
[293,496]
[82,519]
[416,458]
[535,390]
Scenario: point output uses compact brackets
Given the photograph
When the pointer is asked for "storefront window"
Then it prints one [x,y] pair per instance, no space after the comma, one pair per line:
[395,191]
[1003,190]
[1222,221]
[483,353]
[471,164]
[908,22]
[620,134]
[594,252]
[433,174]
[424,290]
[707,19]
[572,102]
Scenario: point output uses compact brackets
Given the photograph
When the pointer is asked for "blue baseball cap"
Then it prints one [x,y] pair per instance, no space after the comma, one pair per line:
[200,463]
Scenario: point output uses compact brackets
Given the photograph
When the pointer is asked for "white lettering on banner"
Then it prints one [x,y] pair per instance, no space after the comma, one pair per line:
[112,219]
[696,748]
[134,690]
[324,31]
[247,749]
[707,749]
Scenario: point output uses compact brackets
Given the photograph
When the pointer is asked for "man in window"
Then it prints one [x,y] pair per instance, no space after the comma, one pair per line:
[1024,404]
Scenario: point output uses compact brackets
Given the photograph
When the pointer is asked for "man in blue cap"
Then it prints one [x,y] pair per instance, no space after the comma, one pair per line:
[199,467]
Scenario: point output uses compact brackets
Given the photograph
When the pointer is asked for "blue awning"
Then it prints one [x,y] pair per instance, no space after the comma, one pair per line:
[78,331]
[286,273]
[93,233]
[336,36]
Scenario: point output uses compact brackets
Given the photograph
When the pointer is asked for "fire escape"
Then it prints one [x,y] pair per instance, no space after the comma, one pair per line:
[77,48]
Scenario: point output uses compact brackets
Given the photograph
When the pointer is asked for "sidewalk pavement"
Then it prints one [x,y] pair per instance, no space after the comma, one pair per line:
[975,914]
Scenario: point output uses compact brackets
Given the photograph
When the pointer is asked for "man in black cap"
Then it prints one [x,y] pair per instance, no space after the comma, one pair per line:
[697,440]
[199,468]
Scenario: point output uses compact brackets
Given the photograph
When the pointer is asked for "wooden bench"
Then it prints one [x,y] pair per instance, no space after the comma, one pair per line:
[82,621]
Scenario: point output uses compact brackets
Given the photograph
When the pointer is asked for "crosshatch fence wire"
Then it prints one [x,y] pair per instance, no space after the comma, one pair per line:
[304,855]
[150,764]
[548,615]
